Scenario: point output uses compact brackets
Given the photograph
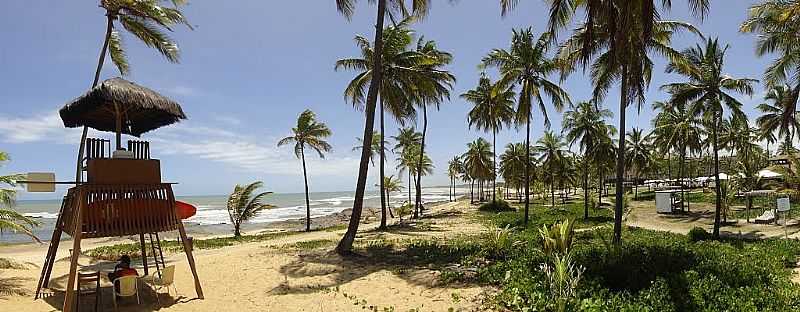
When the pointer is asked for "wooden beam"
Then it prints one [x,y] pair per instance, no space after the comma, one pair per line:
[69,297]
[144,254]
[188,249]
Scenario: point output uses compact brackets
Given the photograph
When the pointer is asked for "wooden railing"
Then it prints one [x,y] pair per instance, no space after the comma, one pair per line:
[120,210]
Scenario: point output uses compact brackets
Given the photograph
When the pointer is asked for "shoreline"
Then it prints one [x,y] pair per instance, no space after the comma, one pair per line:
[32,252]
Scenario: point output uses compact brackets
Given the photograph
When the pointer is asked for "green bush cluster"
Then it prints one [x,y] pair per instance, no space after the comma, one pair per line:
[496,206]
[544,214]
[697,234]
[657,271]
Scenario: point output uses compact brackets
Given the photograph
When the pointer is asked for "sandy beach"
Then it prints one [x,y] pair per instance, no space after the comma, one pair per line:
[272,275]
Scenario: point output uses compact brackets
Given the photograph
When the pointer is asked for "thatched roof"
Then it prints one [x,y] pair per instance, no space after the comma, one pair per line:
[143,109]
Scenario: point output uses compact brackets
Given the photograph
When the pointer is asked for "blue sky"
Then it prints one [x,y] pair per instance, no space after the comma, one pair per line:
[251,66]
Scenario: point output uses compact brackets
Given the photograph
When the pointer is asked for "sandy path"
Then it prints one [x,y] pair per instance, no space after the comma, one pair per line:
[268,276]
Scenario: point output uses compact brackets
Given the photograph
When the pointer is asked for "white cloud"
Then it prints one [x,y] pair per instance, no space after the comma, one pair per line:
[46,127]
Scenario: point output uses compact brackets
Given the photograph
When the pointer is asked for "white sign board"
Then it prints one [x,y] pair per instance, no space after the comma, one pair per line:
[45,182]
[783,204]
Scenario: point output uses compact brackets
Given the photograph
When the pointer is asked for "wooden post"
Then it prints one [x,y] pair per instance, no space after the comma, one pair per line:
[188,249]
[69,297]
[144,253]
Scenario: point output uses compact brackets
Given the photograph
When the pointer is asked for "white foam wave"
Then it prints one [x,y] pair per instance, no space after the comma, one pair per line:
[42,215]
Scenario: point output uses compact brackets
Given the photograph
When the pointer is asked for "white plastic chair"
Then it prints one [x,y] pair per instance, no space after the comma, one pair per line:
[128,287]
[167,279]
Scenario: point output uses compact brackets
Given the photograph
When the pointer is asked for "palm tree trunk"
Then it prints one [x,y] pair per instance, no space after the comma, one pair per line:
[382,187]
[527,166]
[409,187]
[600,187]
[471,191]
[585,189]
[623,103]
[418,205]
[718,203]
[305,179]
[100,61]
[681,173]
[494,164]
[345,246]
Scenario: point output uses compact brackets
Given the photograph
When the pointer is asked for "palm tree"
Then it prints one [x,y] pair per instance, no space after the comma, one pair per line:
[146,21]
[585,124]
[10,219]
[393,91]
[604,156]
[638,155]
[552,151]
[512,166]
[431,87]
[478,162]
[454,171]
[347,8]
[707,90]
[243,206]
[405,139]
[309,132]
[392,184]
[375,146]
[779,115]
[677,127]
[777,28]
[620,48]
[493,108]
[526,63]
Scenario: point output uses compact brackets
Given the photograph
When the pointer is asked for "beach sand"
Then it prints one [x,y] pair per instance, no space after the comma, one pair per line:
[270,275]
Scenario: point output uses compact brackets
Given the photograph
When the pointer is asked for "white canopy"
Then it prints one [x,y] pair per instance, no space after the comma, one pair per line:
[766,173]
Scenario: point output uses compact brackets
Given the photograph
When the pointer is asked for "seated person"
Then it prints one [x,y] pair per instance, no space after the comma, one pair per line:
[123,268]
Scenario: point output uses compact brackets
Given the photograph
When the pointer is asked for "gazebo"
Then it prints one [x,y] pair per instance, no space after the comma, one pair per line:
[123,193]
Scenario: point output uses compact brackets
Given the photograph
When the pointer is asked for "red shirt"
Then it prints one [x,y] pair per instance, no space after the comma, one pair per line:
[126,272]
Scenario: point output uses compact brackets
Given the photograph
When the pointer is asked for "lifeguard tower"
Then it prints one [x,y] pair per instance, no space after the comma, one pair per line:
[117,192]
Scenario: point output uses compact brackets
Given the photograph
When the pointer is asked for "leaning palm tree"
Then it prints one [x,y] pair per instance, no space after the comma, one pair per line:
[311,133]
[347,8]
[393,93]
[585,124]
[638,155]
[707,90]
[552,151]
[243,206]
[620,49]
[11,220]
[493,108]
[145,20]
[527,63]
[779,115]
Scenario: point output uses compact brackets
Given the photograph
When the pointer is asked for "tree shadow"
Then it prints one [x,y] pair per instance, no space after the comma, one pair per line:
[13,286]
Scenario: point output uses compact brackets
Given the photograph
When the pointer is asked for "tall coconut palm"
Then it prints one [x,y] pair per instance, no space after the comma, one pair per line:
[375,147]
[145,20]
[512,166]
[392,184]
[552,151]
[493,108]
[243,206]
[11,220]
[347,7]
[393,93]
[707,89]
[638,155]
[585,124]
[432,86]
[603,157]
[528,65]
[311,133]
[405,139]
[620,49]
[778,114]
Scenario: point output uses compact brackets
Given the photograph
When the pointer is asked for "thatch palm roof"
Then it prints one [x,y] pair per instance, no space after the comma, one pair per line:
[141,109]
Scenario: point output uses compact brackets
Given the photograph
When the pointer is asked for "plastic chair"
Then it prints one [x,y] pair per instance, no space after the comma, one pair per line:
[166,280]
[128,287]
[88,279]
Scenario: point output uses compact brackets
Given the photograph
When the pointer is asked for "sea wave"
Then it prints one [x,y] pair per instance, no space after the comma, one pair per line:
[41,215]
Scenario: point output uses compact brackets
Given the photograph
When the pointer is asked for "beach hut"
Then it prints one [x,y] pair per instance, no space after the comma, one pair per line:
[123,193]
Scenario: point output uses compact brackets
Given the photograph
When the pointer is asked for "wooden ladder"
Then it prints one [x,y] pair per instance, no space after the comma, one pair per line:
[158,254]
[52,250]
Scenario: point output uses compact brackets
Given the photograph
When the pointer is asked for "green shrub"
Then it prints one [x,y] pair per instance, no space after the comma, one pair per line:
[496,206]
[697,234]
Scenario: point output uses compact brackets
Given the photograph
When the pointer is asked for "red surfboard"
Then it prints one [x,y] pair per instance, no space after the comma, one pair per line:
[185,210]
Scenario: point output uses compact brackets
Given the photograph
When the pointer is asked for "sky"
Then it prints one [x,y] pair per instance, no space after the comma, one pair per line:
[250,67]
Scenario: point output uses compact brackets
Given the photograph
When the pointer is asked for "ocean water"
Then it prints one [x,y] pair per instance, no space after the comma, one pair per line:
[212,215]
